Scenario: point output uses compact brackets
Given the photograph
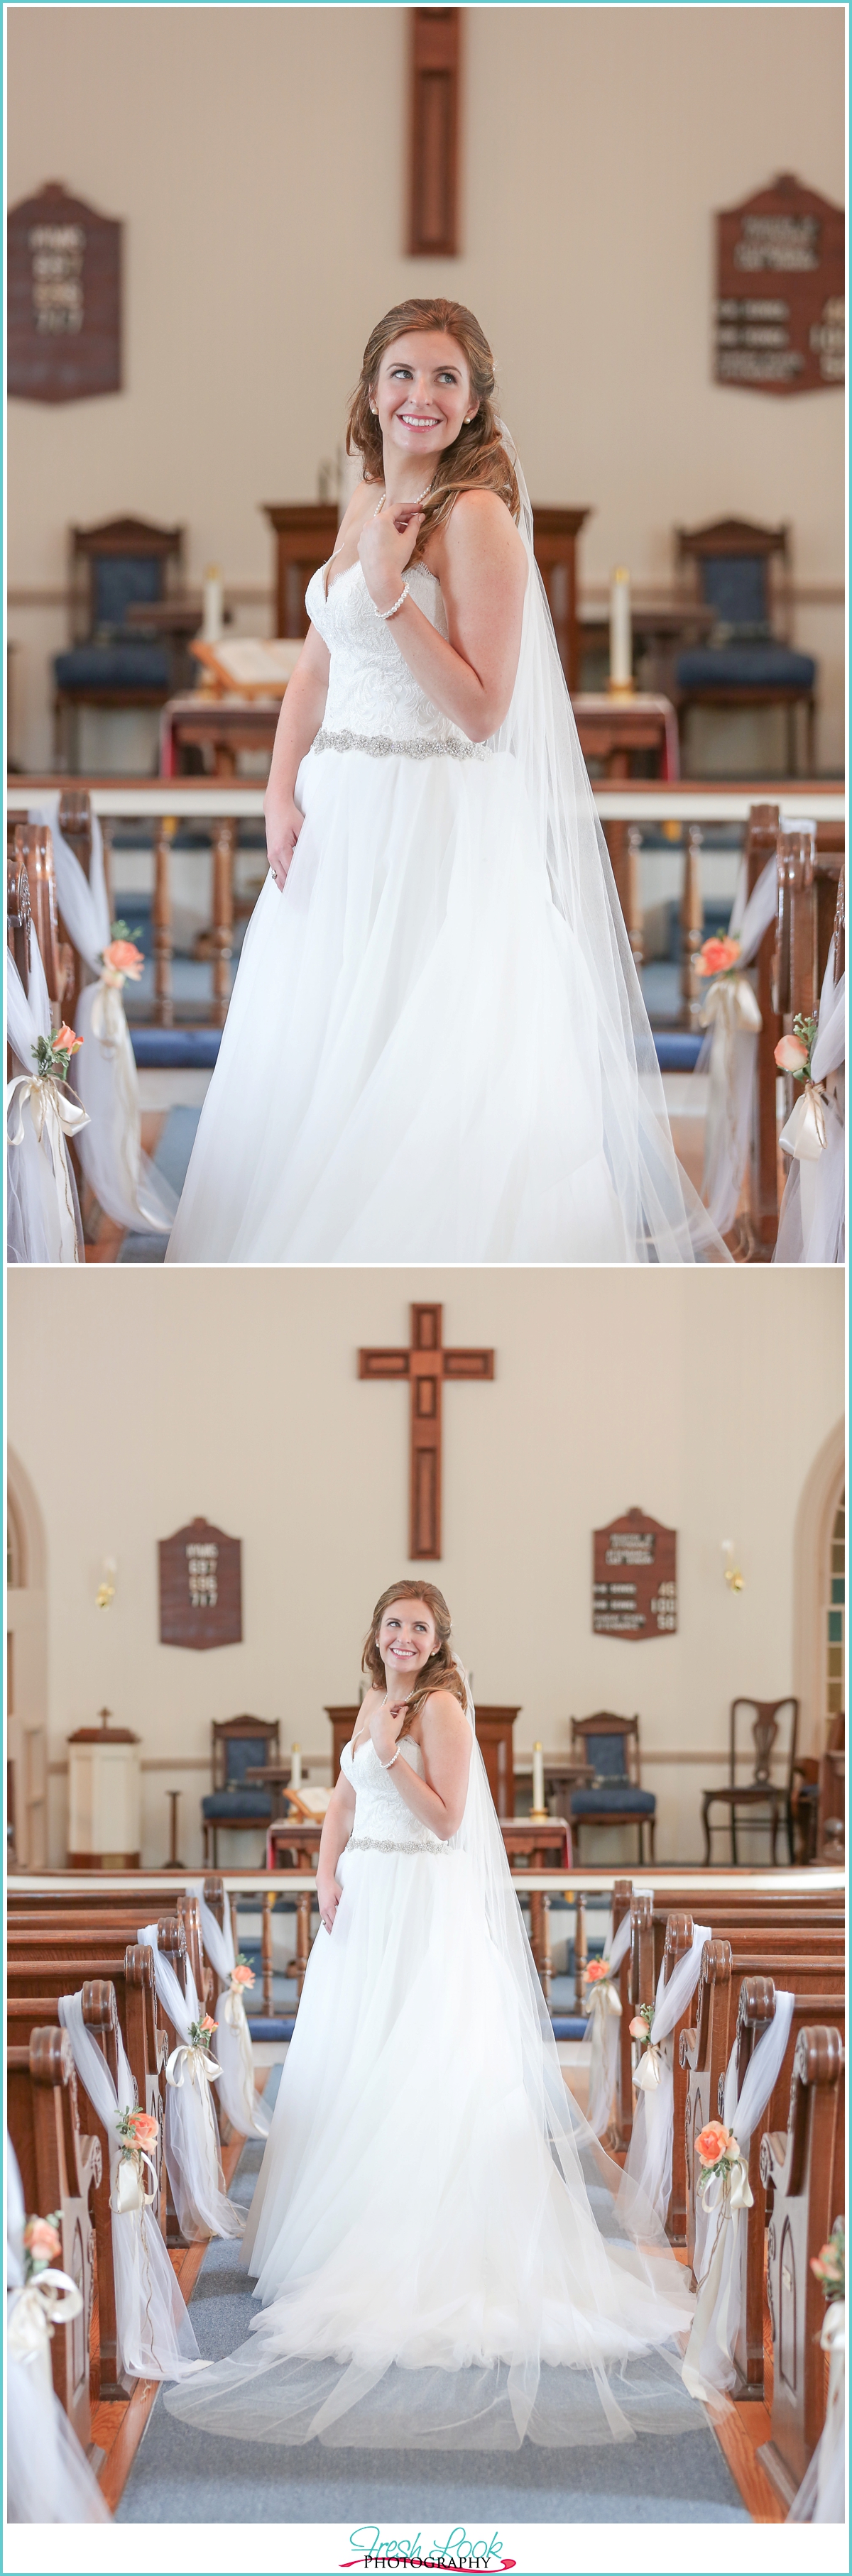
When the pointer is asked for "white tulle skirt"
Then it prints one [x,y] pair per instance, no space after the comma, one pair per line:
[411,1064]
[429,2273]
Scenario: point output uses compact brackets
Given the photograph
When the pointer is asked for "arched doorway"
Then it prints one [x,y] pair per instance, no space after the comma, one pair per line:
[26,1672]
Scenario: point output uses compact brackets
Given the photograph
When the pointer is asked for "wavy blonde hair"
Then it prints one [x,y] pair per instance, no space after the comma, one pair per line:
[477,461]
[441,1672]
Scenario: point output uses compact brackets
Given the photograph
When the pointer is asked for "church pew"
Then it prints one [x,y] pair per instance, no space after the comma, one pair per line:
[706,2047]
[804,2178]
[100,2016]
[60,2167]
[756,2010]
[132,1980]
[119,1918]
[769,1921]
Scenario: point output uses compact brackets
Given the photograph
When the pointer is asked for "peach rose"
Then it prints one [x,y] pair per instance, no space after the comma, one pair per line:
[828,2264]
[209,2025]
[715,2141]
[717,955]
[65,1042]
[596,1969]
[639,2029]
[243,1976]
[791,1055]
[125,958]
[42,2240]
[144,2129]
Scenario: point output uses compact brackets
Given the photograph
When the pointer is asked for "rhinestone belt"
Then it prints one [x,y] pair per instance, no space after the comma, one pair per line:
[382,746]
[413,1851]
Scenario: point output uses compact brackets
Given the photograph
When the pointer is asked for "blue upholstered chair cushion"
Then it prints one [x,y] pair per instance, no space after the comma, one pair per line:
[225,1806]
[617,1799]
[245,1753]
[745,666]
[131,664]
[735,585]
[120,582]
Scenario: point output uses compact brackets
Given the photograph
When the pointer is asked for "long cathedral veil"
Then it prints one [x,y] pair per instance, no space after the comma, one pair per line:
[663,1216]
[588,2348]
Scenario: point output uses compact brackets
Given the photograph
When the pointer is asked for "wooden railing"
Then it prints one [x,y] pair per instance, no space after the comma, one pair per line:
[221,805]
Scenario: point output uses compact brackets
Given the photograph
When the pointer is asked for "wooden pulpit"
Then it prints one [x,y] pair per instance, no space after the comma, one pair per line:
[305,536]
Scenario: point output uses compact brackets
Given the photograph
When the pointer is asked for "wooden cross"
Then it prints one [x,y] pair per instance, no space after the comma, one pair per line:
[425,1364]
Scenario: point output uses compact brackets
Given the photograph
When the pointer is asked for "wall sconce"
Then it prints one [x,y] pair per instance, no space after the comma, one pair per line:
[105,1594]
[733,1578]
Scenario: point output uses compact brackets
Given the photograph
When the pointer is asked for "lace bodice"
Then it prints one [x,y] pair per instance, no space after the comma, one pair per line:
[374,703]
[383,1822]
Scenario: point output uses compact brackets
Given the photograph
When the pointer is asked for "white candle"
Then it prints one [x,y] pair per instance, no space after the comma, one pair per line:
[213,605]
[538,1780]
[620,645]
[295,1766]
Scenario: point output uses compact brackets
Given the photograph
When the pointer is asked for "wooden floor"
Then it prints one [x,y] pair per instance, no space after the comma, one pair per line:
[117,2428]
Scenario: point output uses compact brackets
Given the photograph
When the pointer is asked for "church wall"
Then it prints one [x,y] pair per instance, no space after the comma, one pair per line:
[703,1397]
[256,158]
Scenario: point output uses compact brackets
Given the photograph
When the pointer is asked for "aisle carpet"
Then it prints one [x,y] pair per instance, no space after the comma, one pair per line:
[183,2477]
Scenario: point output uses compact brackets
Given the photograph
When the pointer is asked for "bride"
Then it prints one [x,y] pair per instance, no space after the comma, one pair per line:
[444,2253]
[436,1047]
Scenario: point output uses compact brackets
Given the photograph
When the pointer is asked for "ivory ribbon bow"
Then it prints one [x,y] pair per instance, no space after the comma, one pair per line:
[649,2070]
[198,2061]
[604,1999]
[234,2011]
[128,2188]
[833,2336]
[108,1017]
[733,1002]
[47,1109]
[51,2298]
[805,1135]
[730,2190]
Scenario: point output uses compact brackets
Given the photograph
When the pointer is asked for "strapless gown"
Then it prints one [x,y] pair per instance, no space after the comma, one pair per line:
[410,1069]
[428,2276]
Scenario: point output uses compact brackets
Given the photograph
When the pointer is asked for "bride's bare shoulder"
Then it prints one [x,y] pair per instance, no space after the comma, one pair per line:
[442,1710]
[481,529]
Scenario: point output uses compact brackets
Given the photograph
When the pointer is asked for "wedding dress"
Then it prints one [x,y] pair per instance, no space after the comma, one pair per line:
[435,2232]
[436,1047]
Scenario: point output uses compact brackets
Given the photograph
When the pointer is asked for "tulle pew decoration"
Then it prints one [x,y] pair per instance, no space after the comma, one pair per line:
[154,2334]
[245,2107]
[713,2364]
[48,2474]
[649,2155]
[124,1181]
[191,2137]
[42,1115]
[822,2494]
[732,1019]
[602,2028]
[812,1220]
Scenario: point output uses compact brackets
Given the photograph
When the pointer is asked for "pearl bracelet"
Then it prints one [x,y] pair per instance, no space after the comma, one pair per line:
[388,1766]
[391,612]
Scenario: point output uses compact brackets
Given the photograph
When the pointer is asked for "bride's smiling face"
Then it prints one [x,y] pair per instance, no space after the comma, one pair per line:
[407,1638]
[422,394]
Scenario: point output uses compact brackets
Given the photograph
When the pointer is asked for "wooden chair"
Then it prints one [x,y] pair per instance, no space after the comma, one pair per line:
[802,2170]
[744,663]
[123,563]
[762,1799]
[831,1807]
[611,1746]
[240,1744]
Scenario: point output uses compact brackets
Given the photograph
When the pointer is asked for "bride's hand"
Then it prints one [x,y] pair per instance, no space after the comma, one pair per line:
[328,1900]
[386,1726]
[283,825]
[385,546]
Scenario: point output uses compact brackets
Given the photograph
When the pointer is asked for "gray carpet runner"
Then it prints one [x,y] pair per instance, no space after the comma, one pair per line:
[182,2477]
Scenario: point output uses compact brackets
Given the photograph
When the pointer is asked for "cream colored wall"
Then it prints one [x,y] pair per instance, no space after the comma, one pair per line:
[140,1398]
[256,158]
